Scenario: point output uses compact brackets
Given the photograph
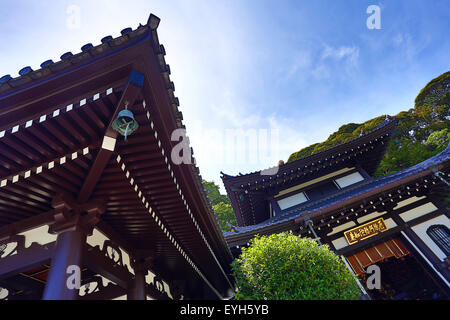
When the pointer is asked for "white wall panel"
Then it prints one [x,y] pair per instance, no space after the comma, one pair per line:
[292,200]
[417,212]
[421,231]
[349,179]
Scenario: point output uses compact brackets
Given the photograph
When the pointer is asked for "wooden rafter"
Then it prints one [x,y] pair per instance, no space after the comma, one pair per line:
[74,109]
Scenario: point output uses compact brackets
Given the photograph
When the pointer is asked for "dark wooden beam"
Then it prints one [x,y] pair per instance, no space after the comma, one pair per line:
[100,162]
[109,292]
[96,261]
[129,96]
[115,236]
[137,286]
[28,258]
[27,224]
[155,293]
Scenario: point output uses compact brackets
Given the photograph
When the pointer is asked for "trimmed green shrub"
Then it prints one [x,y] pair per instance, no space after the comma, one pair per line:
[287,267]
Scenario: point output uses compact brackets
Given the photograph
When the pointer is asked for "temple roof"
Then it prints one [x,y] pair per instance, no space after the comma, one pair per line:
[345,196]
[53,123]
[247,192]
[28,77]
[243,178]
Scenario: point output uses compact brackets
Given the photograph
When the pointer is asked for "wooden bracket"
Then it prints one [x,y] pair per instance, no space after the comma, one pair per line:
[70,215]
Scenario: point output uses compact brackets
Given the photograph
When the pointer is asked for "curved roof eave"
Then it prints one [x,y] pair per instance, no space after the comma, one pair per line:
[361,190]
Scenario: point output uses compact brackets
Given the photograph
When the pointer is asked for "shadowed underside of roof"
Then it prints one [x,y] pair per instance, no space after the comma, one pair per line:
[52,127]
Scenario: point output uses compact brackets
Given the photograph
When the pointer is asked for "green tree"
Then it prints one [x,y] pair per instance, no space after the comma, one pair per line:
[225,215]
[221,206]
[287,267]
[214,194]
[345,133]
[401,154]
[436,92]
[439,140]
[421,132]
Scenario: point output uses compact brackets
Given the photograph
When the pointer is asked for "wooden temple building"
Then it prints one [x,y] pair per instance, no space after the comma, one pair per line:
[400,222]
[91,205]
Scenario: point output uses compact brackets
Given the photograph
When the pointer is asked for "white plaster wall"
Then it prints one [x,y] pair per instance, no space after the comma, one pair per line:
[418,212]
[98,239]
[421,231]
[342,227]
[340,243]
[390,223]
[408,201]
[292,200]
[39,235]
[308,183]
[349,179]
[370,216]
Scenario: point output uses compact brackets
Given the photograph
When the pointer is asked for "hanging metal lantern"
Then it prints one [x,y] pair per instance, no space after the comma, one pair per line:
[125,123]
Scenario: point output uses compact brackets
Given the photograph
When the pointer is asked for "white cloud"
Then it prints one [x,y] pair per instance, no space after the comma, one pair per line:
[408,46]
[335,61]
[302,61]
[321,72]
[232,112]
[349,54]
[330,60]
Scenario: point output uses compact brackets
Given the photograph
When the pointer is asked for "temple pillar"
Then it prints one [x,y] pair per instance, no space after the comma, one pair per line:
[137,289]
[66,263]
[72,228]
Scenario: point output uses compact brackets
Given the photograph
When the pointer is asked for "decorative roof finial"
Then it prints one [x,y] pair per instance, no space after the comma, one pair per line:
[153,22]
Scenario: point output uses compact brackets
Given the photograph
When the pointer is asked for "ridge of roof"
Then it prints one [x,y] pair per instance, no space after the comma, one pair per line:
[393,121]
[48,67]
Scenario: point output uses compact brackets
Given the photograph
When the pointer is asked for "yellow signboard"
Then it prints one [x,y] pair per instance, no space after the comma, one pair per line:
[365,231]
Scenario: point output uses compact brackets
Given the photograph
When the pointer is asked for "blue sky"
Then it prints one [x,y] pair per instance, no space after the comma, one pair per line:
[303,68]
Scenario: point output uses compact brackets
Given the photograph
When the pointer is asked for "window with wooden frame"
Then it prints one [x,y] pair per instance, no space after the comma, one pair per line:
[441,236]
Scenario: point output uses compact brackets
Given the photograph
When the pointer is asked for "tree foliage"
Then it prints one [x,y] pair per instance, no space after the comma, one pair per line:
[287,267]
[214,194]
[345,133]
[439,140]
[225,215]
[221,206]
[422,131]
[436,92]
